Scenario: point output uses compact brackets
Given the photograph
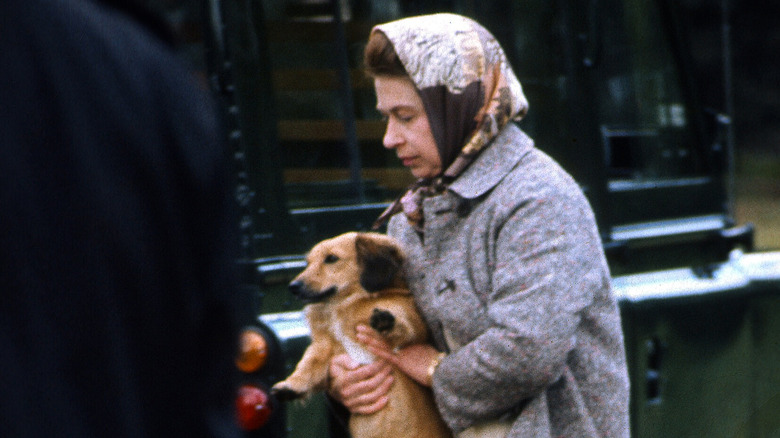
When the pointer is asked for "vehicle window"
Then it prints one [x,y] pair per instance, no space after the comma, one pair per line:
[647,128]
[329,131]
[331,136]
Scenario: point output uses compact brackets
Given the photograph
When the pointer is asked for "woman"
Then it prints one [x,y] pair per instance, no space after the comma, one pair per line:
[504,257]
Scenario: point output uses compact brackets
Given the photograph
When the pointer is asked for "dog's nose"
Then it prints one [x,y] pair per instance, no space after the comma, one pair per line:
[295,286]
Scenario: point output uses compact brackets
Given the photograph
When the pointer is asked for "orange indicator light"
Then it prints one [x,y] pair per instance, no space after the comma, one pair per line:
[253,351]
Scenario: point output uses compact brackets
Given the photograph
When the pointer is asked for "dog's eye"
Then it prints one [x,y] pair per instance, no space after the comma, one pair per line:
[331,258]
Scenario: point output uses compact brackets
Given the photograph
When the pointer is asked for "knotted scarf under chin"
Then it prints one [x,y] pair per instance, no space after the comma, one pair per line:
[411,203]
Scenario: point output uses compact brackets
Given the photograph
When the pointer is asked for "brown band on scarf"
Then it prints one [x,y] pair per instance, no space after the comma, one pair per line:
[451,117]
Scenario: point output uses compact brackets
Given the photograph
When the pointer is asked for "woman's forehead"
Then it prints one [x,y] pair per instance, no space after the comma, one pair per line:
[394,93]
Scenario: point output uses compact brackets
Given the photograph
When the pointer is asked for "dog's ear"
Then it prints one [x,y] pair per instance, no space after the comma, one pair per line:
[380,262]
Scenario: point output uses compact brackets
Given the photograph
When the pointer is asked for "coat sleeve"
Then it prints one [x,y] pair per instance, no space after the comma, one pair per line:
[546,263]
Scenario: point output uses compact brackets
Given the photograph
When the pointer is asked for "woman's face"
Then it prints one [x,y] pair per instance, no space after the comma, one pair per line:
[408,131]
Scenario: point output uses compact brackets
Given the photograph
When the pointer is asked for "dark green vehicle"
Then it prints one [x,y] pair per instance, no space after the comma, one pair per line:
[616,95]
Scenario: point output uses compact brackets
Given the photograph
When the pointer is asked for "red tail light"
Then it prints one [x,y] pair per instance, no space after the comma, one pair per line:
[253,407]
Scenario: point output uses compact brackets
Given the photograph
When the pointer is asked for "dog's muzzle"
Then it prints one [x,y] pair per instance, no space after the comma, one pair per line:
[299,290]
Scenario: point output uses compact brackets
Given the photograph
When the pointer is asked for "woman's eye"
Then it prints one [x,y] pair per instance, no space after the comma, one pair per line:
[330,258]
[405,118]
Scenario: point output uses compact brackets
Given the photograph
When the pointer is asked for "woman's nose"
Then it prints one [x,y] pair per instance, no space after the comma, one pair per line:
[392,138]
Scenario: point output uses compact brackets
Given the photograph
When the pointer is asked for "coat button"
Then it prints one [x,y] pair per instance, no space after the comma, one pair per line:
[445,285]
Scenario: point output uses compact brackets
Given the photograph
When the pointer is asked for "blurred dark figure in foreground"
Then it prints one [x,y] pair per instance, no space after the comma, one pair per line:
[116,232]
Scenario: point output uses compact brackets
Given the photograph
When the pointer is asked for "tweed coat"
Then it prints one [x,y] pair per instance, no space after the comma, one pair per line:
[510,265]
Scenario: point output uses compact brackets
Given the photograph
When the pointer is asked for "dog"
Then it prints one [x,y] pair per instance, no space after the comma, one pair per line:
[352,279]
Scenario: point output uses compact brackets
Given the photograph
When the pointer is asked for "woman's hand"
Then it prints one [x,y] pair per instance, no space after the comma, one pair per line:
[362,389]
[414,360]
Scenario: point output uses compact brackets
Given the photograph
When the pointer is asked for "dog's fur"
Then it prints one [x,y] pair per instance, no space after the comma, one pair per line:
[353,279]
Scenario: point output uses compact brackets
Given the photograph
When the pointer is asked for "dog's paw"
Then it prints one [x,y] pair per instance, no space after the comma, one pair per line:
[285,393]
[382,320]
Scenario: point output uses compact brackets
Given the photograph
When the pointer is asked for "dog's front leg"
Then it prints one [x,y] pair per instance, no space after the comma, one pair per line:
[310,375]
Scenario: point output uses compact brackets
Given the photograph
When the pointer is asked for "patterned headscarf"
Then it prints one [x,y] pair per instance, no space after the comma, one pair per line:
[468,89]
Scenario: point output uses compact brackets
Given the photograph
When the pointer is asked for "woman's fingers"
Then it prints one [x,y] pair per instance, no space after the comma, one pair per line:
[376,344]
[414,360]
[360,388]
[373,400]
[363,389]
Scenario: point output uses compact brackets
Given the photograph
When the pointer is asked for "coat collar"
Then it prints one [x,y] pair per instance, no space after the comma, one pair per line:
[493,164]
